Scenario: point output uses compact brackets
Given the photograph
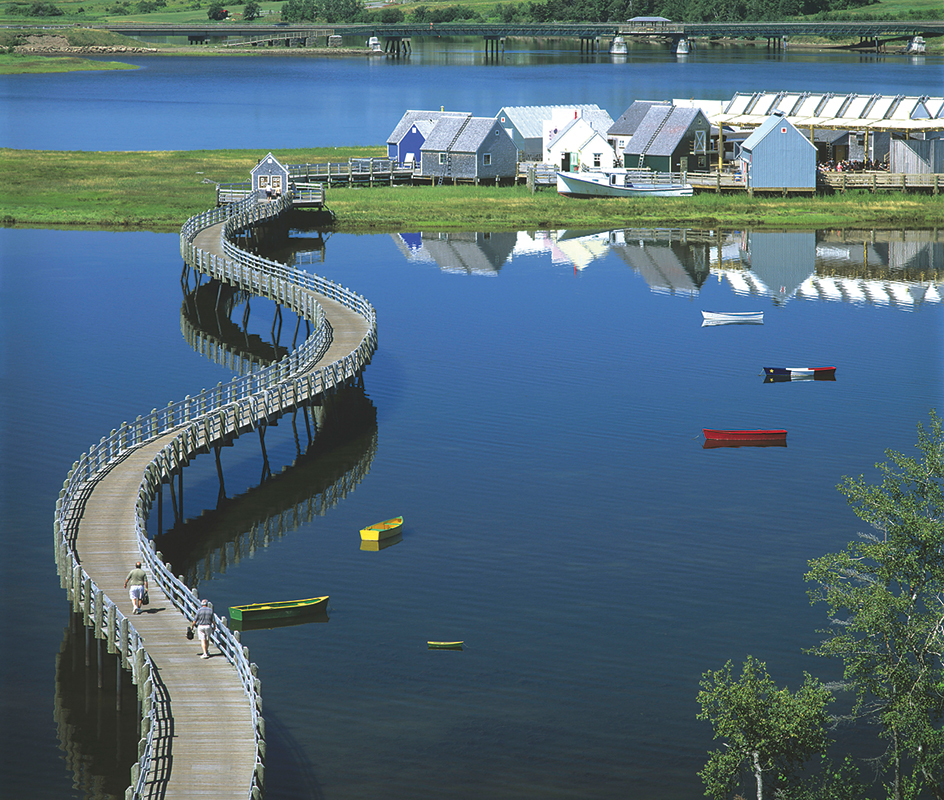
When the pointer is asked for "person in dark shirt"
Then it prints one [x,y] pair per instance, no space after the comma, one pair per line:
[204,622]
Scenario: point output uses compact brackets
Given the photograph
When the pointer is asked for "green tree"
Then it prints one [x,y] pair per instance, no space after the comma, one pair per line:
[344,10]
[769,733]
[217,11]
[251,11]
[301,11]
[885,594]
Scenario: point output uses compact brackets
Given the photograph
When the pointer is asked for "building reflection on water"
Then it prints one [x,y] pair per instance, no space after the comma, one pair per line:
[893,268]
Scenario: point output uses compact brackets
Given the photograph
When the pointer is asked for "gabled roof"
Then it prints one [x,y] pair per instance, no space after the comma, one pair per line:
[529,120]
[471,132]
[591,132]
[268,160]
[410,117]
[772,123]
[626,125]
[674,123]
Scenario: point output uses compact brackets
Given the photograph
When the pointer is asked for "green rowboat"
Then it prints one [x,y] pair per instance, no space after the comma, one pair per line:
[279,610]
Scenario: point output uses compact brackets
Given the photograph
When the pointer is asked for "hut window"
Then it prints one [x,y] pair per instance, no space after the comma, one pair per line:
[442,158]
[700,142]
[487,159]
[597,157]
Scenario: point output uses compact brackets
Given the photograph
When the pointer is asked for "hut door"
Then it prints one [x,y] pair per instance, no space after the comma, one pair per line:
[565,162]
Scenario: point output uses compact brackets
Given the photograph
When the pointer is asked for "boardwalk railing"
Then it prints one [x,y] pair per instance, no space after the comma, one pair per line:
[882,181]
[198,423]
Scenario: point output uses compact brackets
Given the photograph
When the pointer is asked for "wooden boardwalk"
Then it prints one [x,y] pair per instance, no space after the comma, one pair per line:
[202,732]
[347,327]
[211,750]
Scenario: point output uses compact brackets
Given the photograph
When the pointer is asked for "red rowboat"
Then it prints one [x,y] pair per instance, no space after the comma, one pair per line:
[711,444]
[744,436]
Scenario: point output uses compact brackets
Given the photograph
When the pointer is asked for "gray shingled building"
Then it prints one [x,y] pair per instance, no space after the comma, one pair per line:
[664,137]
[469,148]
[407,138]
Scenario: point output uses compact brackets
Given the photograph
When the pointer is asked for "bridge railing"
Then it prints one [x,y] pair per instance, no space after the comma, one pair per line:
[212,417]
[108,623]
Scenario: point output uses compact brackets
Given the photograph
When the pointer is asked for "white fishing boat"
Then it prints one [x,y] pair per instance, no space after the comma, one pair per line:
[618,46]
[374,45]
[622,183]
[916,45]
[683,47]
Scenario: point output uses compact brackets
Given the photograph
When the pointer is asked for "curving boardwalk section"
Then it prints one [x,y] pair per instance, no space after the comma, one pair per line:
[202,732]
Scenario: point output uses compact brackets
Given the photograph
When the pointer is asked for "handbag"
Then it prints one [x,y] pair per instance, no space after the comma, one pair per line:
[145,600]
[189,632]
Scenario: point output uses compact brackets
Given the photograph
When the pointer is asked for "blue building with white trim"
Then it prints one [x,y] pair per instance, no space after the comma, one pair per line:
[778,156]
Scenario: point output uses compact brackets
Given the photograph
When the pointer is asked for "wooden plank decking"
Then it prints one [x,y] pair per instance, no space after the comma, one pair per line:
[348,327]
[212,749]
[206,739]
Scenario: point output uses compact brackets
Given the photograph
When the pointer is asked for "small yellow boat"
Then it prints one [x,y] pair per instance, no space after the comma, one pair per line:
[376,546]
[382,530]
[445,645]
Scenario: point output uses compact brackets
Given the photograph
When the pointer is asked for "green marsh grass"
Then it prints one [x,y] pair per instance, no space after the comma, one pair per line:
[158,191]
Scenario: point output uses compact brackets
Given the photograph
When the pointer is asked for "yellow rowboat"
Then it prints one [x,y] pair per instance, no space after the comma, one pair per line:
[445,645]
[382,530]
[376,546]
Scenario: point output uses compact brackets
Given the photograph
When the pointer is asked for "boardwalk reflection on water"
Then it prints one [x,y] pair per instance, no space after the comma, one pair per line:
[207,325]
[96,715]
[896,268]
[340,441]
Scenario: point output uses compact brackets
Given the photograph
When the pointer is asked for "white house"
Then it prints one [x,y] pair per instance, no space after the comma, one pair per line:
[574,141]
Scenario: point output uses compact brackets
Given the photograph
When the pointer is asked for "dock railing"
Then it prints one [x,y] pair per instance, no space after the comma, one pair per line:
[212,417]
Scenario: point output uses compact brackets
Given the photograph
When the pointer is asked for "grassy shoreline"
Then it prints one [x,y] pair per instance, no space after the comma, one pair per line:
[158,191]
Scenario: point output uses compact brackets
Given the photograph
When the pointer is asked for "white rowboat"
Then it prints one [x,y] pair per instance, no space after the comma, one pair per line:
[732,318]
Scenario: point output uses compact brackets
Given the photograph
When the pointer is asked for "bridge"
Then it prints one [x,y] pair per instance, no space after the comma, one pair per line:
[202,731]
[869,33]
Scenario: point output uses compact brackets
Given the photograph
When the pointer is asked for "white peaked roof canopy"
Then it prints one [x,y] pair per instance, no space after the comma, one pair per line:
[831,110]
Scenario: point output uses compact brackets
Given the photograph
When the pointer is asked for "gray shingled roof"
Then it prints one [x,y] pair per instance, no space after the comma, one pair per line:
[529,120]
[677,122]
[470,138]
[413,116]
[626,125]
[444,132]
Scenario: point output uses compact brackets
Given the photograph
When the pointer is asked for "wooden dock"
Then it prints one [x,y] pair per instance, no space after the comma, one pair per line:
[202,732]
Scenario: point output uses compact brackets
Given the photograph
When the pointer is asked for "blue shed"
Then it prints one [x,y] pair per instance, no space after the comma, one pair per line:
[777,156]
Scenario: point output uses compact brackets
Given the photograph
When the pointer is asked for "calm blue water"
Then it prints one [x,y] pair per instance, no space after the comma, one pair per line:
[539,426]
[185,103]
